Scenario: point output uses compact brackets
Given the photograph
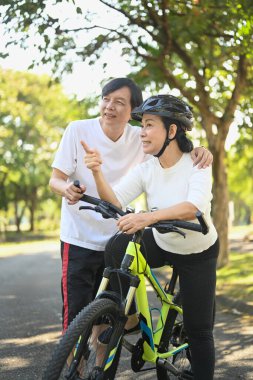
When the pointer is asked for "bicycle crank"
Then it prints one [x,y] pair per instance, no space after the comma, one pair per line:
[136,360]
[186,375]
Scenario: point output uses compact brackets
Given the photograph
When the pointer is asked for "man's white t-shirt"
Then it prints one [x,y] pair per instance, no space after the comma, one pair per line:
[87,228]
[167,187]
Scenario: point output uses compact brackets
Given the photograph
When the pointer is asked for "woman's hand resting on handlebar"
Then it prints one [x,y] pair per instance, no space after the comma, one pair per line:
[131,223]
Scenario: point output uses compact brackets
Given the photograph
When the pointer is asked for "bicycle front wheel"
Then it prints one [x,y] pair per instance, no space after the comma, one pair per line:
[90,348]
[174,336]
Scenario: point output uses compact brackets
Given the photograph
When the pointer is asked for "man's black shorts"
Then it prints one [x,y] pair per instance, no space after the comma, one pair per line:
[82,271]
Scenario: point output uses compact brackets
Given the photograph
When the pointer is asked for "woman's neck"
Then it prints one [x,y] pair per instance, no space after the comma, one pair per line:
[171,156]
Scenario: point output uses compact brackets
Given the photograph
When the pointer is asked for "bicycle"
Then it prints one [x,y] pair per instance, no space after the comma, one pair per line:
[92,343]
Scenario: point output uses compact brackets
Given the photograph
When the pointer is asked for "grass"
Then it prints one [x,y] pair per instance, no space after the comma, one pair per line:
[26,236]
[236,279]
[245,232]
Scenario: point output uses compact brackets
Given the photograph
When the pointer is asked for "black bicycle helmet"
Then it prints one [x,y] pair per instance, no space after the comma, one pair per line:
[167,106]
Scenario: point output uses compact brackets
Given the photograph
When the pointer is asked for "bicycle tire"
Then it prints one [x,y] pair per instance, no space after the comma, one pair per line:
[173,336]
[79,336]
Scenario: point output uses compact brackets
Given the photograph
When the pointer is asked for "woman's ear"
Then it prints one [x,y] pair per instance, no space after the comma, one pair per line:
[172,131]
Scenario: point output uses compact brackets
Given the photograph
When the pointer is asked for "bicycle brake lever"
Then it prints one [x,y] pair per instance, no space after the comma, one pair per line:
[173,229]
[87,208]
[105,214]
[97,209]
[180,232]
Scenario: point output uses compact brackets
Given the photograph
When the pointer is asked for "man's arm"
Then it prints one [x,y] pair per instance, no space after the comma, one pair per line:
[59,184]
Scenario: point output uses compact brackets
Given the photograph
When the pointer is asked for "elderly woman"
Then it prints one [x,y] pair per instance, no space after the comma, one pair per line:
[177,189]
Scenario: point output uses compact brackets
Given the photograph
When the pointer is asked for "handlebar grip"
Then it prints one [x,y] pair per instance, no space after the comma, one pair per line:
[178,224]
[199,227]
[202,222]
[90,199]
[77,183]
[87,198]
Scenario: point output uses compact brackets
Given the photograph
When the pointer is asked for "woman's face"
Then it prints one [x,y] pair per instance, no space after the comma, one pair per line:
[153,134]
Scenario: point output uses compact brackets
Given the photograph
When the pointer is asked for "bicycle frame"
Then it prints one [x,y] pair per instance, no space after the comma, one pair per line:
[96,336]
[135,266]
[135,262]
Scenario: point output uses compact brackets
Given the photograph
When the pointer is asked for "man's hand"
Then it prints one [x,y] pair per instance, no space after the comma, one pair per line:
[92,158]
[201,157]
[73,193]
[59,184]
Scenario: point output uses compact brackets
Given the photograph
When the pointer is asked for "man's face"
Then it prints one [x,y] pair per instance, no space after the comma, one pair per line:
[115,108]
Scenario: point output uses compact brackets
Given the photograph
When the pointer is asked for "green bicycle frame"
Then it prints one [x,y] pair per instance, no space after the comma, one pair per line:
[138,266]
[151,337]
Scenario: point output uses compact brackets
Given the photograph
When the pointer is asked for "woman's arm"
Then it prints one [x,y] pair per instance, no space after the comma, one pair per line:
[104,189]
[131,223]
[93,162]
[180,211]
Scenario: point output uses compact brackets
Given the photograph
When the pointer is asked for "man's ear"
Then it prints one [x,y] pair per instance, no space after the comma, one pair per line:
[172,131]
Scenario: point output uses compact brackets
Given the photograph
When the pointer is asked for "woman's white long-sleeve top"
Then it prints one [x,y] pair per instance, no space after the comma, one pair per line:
[165,187]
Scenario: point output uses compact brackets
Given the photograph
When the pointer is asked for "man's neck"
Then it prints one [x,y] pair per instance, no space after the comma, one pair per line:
[111,131]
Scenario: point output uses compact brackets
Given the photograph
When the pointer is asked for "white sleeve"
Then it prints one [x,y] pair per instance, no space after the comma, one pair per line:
[130,186]
[200,188]
[66,155]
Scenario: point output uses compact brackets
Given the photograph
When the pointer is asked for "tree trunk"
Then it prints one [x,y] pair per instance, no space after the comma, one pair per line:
[220,204]
[17,218]
[32,210]
[19,213]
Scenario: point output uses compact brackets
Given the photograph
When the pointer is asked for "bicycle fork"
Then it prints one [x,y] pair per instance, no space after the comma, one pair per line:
[124,305]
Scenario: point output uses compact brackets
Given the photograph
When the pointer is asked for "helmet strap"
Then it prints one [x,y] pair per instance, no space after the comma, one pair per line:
[166,143]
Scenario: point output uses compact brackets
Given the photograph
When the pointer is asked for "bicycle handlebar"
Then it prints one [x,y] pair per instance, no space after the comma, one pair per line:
[106,207]
[201,227]
[108,210]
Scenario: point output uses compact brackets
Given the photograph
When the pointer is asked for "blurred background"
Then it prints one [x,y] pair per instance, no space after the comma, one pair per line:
[56,55]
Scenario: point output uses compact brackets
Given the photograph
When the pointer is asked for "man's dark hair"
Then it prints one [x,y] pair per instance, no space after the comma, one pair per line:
[117,83]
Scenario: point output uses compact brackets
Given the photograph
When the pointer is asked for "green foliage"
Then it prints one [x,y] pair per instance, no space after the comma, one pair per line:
[196,47]
[33,114]
[240,173]
[201,49]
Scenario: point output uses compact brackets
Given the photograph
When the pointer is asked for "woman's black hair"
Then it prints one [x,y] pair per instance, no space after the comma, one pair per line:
[184,143]
[117,83]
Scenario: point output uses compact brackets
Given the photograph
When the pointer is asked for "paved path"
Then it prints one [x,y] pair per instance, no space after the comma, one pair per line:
[30,322]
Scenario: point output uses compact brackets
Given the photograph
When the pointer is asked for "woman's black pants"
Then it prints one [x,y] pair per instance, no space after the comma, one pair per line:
[197,280]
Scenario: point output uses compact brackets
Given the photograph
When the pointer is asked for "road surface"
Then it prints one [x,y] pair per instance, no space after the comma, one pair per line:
[30,322]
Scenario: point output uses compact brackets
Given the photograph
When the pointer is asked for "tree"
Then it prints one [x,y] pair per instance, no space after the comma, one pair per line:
[201,48]
[33,114]
[240,174]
